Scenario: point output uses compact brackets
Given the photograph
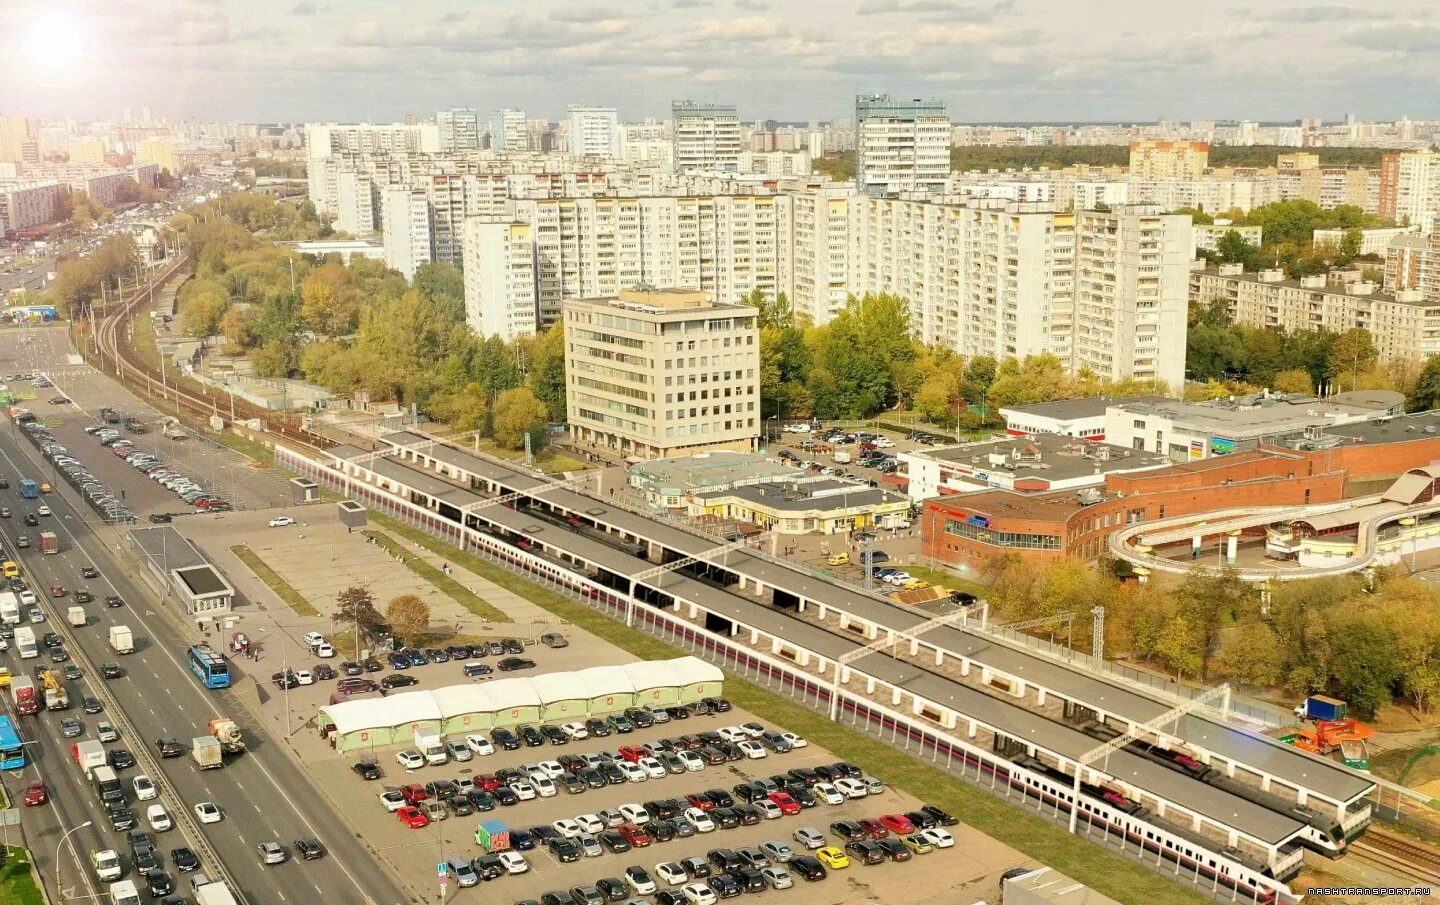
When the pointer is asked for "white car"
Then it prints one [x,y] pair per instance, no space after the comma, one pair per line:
[324,650]
[523,790]
[701,821]
[671,873]
[36,616]
[883,442]
[567,828]
[513,862]
[652,767]
[209,811]
[734,734]
[631,772]
[796,741]
[634,813]
[576,731]
[752,730]
[42,510]
[777,877]
[827,793]
[767,808]
[550,769]
[543,785]
[638,879]
[692,761]
[590,823]
[851,788]
[752,749]
[313,639]
[304,677]
[393,800]
[144,788]
[281,521]
[28,598]
[159,818]
[410,759]
[480,745]
[107,864]
[699,894]
[937,837]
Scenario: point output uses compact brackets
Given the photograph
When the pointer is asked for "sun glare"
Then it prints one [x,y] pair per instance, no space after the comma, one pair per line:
[56,39]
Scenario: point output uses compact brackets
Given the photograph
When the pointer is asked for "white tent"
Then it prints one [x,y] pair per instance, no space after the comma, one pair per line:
[562,695]
[464,708]
[608,689]
[696,678]
[654,682]
[515,701]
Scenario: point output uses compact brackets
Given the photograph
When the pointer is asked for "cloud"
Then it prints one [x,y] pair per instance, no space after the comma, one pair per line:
[587,14]
[750,28]
[690,4]
[1325,12]
[753,6]
[305,8]
[454,16]
[1410,37]
[948,8]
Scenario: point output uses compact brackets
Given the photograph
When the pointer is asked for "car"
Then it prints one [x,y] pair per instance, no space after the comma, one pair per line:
[699,820]
[586,895]
[208,812]
[614,841]
[898,824]
[272,852]
[639,880]
[458,751]
[941,817]
[698,894]
[410,759]
[851,788]
[413,817]
[768,809]
[832,857]
[112,600]
[120,759]
[554,640]
[366,769]
[71,727]
[281,521]
[827,793]
[785,802]
[36,793]
[512,664]
[144,788]
[304,677]
[809,837]
[159,818]
[513,863]
[672,873]
[309,848]
[158,883]
[934,836]
[796,741]
[169,747]
[564,850]
[36,617]
[89,572]
[873,828]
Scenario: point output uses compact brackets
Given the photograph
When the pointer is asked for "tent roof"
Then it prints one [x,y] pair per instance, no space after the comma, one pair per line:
[602,680]
[645,674]
[507,693]
[689,670]
[559,686]
[411,707]
[457,700]
[359,716]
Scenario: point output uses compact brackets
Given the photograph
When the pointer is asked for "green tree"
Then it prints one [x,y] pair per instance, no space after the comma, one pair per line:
[1197,215]
[1251,654]
[355,607]
[519,412]
[1350,244]
[547,370]
[1232,248]
[1179,647]
[1426,395]
[1366,663]
[1354,351]
[1295,380]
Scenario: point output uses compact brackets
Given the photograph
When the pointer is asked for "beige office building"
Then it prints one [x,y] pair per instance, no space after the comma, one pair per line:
[1169,159]
[652,373]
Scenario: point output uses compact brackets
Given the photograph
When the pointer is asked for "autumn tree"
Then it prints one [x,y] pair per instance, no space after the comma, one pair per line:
[409,617]
[1295,380]
[355,607]
[519,412]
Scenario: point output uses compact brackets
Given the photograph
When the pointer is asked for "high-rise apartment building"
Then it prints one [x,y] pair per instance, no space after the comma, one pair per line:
[1169,159]
[706,137]
[459,129]
[27,204]
[660,372]
[593,131]
[500,279]
[509,130]
[14,130]
[819,218]
[357,202]
[406,215]
[1410,188]
[86,150]
[158,151]
[900,145]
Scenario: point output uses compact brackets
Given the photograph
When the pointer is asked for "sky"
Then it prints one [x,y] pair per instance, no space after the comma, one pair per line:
[990,60]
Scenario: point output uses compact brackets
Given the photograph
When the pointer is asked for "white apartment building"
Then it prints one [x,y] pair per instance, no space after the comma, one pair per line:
[706,137]
[819,278]
[650,153]
[1205,235]
[509,130]
[901,146]
[1410,188]
[500,279]
[1373,241]
[325,139]
[593,131]
[653,373]
[459,129]
[406,216]
[356,202]
[27,204]
[1403,324]
[775,163]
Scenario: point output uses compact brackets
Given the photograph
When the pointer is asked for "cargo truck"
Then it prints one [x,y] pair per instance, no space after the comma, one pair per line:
[89,754]
[107,784]
[227,733]
[27,700]
[431,748]
[76,616]
[49,543]
[206,751]
[493,836]
[1320,707]
[214,893]
[9,608]
[56,697]
[121,640]
[25,643]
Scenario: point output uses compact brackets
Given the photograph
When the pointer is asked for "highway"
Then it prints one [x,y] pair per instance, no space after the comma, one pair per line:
[32,277]
[261,793]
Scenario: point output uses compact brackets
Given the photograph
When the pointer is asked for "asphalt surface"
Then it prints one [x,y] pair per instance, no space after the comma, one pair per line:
[261,793]
[32,277]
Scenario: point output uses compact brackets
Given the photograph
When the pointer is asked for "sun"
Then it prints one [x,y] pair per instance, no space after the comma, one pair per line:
[56,39]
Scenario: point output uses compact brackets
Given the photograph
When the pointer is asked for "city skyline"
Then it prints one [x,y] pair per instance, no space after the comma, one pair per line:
[1010,60]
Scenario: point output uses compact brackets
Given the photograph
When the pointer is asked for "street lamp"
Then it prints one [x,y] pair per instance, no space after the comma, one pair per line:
[59,884]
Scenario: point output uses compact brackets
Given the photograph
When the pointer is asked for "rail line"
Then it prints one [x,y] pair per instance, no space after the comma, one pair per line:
[113,347]
[1399,856]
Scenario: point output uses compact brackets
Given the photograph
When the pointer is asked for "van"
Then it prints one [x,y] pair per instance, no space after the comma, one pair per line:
[124,893]
[464,874]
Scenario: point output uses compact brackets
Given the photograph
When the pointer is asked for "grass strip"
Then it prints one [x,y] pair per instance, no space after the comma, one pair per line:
[1108,873]
[18,885]
[477,605]
[282,588]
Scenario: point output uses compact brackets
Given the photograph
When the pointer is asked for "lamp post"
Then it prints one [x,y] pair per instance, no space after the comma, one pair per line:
[285,678]
[59,884]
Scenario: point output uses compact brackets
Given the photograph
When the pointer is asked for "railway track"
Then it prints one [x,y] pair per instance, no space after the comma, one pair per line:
[1399,856]
[114,348]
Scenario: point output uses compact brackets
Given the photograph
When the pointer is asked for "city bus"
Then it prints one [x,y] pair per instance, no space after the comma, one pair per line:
[12,749]
[29,489]
[208,666]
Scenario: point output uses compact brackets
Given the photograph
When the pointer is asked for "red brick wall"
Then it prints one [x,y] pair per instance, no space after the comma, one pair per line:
[1378,460]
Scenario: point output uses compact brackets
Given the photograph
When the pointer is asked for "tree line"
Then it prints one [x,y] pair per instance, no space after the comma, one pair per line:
[1287,238]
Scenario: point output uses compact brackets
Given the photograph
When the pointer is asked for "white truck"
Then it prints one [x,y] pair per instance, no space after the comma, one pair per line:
[89,754]
[122,641]
[206,751]
[430,747]
[9,608]
[124,893]
[25,642]
[76,616]
[214,893]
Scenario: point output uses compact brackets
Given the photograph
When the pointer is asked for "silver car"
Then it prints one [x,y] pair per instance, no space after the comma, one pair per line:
[271,852]
[777,851]
[810,837]
[777,877]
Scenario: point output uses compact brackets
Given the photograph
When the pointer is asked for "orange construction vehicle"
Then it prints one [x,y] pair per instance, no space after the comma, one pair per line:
[1326,736]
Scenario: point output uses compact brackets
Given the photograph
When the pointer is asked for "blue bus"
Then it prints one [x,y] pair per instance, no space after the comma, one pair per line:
[12,750]
[208,666]
[29,489]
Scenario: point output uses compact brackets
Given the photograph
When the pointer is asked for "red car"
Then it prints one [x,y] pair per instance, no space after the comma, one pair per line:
[413,817]
[488,782]
[700,800]
[57,591]
[787,805]
[874,828]
[36,793]
[414,793]
[635,835]
[898,824]
[633,753]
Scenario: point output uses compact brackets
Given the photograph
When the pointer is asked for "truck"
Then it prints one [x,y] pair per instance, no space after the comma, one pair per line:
[27,701]
[214,893]
[121,639]
[9,608]
[56,697]
[89,754]
[430,747]
[76,616]
[493,836]
[107,784]
[1319,707]
[49,542]
[205,749]
[25,643]
[227,733]
[29,489]
[171,429]
[123,892]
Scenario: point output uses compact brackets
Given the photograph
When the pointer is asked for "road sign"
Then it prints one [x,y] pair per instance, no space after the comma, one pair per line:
[441,870]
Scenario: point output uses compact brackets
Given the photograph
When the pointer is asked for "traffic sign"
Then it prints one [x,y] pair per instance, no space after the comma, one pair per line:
[442,869]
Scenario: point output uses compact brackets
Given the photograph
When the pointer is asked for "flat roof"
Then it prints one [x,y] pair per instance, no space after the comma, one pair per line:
[1061,458]
[1045,884]
[803,497]
[167,548]
[1071,409]
[202,580]
[708,469]
[1378,295]
[1271,415]
[1227,741]
[1396,429]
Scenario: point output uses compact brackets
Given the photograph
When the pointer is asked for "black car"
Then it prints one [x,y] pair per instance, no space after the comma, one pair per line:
[308,848]
[398,680]
[848,830]
[612,774]
[554,735]
[530,736]
[121,818]
[323,672]
[723,858]
[660,830]
[169,747]
[83,595]
[725,818]
[571,783]
[544,833]
[461,805]
[482,801]
[640,718]
[678,712]
[621,724]
[120,759]
[669,897]
[512,646]
[750,879]
[351,668]
[367,769]
[802,795]
[488,867]
[442,789]
[597,727]
[749,816]
[285,680]
[564,850]
[112,601]
[91,705]
[521,840]
[806,775]
[721,797]
[50,639]
[662,808]
[505,739]
[807,866]
[556,898]
[866,851]
[89,572]
[921,819]
[894,849]
[31,520]
[592,778]
[59,655]
[506,796]
[371,664]
[941,817]
[613,889]
[184,860]
[146,858]
[748,791]
[511,664]
[724,886]
[718,705]
[158,882]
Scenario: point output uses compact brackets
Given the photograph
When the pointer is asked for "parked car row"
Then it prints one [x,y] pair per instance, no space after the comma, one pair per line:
[95,492]
[152,467]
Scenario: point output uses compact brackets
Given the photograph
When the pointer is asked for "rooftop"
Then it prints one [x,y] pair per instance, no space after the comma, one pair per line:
[1070,409]
[816,496]
[1398,429]
[1270,413]
[1049,457]
[203,580]
[708,470]
[1410,297]
[652,300]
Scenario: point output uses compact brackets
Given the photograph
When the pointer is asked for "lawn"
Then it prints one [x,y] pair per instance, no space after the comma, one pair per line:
[282,588]
[1108,873]
[549,461]
[462,595]
[17,880]
[946,579]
